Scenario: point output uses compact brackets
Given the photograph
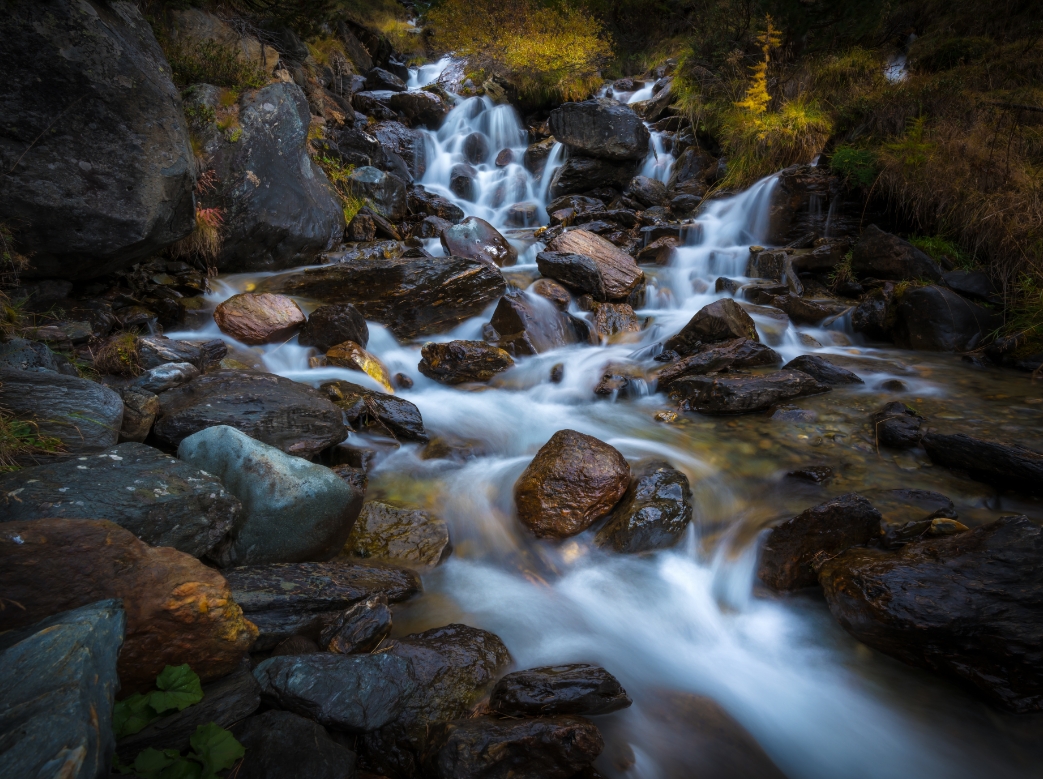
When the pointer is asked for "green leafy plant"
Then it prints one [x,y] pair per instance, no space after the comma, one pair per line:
[213,749]
[858,167]
[938,247]
[211,62]
[177,687]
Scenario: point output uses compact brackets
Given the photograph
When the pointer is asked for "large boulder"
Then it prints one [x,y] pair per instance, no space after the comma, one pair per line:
[585,174]
[411,296]
[795,549]
[573,481]
[57,688]
[543,748]
[885,256]
[743,394]
[281,744]
[451,666]
[293,510]
[371,411]
[406,536]
[1003,465]
[279,209]
[968,606]
[161,500]
[600,128]
[653,514]
[721,320]
[396,138]
[619,273]
[84,415]
[178,610]
[559,689]
[98,169]
[331,325]
[458,362]
[420,108]
[717,357]
[288,599]
[259,318]
[936,319]
[477,239]
[277,411]
[384,192]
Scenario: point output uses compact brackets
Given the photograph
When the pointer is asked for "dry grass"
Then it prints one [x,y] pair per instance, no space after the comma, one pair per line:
[204,242]
[118,356]
[20,441]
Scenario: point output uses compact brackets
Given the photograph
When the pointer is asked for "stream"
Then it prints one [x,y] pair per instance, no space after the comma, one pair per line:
[690,620]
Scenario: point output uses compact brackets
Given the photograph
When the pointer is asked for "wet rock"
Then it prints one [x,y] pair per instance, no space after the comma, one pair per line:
[577,271]
[585,174]
[971,284]
[619,274]
[885,256]
[351,355]
[406,536]
[383,192]
[367,409]
[478,240]
[225,702]
[523,215]
[613,318]
[817,474]
[795,549]
[543,748]
[431,227]
[660,252]
[331,325]
[140,408]
[408,144]
[157,350]
[476,148]
[535,158]
[743,394]
[690,169]
[600,128]
[259,318]
[165,377]
[620,380]
[893,385]
[112,183]
[350,693]
[573,481]
[966,606]
[451,666]
[874,314]
[897,426]
[287,599]
[653,514]
[423,202]
[57,689]
[281,744]
[648,192]
[178,610]
[359,629]
[821,369]
[1003,465]
[654,109]
[85,416]
[375,103]
[721,320]
[378,78]
[717,357]
[562,689]
[937,319]
[420,108]
[293,510]
[463,182]
[282,413]
[411,296]
[805,311]
[557,373]
[504,158]
[457,362]
[552,291]
[529,325]
[162,501]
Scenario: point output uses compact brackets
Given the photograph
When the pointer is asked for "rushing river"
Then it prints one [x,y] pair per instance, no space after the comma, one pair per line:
[690,620]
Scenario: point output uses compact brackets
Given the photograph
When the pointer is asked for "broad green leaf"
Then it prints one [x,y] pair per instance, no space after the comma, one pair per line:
[179,688]
[183,769]
[215,748]
[132,714]
[150,763]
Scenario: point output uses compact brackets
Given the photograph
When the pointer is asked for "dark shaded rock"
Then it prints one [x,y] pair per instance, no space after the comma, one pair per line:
[813,473]
[653,514]
[405,536]
[577,271]
[351,693]
[527,324]
[560,689]
[457,362]
[451,666]
[613,318]
[795,549]
[375,103]
[411,296]
[463,182]
[600,128]
[893,385]
[660,252]
[359,629]
[420,108]
[823,370]
[300,598]
[717,357]
[504,158]
[897,426]
[111,182]
[368,409]
[535,158]
[22,355]
[721,320]
[478,240]
[280,744]
[289,416]
[874,314]
[356,146]
[885,256]
[476,148]
[743,394]
[937,319]
[57,689]
[620,275]
[584,174]
[971,284]
[648,192]
[431,227]
[543,748]
[422,202]
[573,481]
[408,144]
[384,192]
[805,311]
[1007,466]
[140,408]
[378,78]
[155,350]
[552,291]
[690,167]
[966,606]
[85,416]
[161,500]
[225,702]
[331,325]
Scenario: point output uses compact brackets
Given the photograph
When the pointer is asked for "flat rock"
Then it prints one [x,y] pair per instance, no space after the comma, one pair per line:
[600,128]
[358,629]
[967,606]
[821,369]
[743,394]
[1003,465]
[653,514]
[721,320]
[476,239]
[573,481]
[178,610]
[885,256]
[457,362]
[560,689]
[259,318]
[897,426]
[331,325]
[619,273]
[277,411]
[794,550]
[717,357]
[405,536]
[371,411]
[281,744]
[161,500]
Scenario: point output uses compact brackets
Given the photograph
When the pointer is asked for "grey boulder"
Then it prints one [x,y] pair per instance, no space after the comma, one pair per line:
[600,128]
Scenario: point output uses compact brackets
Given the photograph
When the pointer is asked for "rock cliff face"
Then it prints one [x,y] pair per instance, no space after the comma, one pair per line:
[93,144]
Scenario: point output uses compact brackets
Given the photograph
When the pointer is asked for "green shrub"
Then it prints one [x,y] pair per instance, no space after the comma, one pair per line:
[858,167]
[938,246]
[212,62]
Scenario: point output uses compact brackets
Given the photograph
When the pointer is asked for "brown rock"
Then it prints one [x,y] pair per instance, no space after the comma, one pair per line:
[259,318]
[742,394]
[572,482]
[457,362]
[613,318]
[350,355]
[712,358]
[178,610]
[552,291]
[722,320]
[660,251]
[620,275]
[408,536]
